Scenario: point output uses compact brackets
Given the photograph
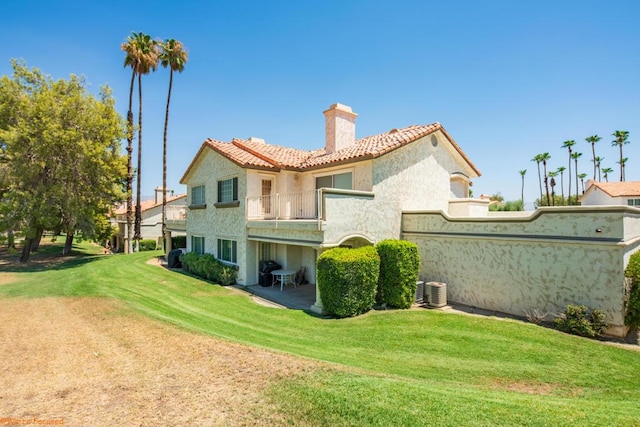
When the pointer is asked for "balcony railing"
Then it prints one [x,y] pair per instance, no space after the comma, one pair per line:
[176,213]
[303,205]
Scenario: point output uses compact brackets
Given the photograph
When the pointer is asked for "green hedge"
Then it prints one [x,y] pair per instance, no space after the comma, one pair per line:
[347,280]
[399,267]
[632,317]
[208,267]
[147,245]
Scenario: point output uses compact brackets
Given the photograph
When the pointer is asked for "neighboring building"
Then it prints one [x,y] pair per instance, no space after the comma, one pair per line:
[626,193]
[151,226]
[250,201]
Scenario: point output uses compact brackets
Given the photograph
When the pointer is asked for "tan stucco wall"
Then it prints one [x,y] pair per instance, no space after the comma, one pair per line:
[217,223]
[543,262]
[595,196]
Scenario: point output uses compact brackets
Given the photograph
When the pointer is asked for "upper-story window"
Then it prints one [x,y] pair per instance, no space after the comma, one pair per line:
[343,181]
[228,193]
[633,202]
[197,196]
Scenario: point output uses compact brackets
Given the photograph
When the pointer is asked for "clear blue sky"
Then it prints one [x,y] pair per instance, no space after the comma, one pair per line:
[507,79]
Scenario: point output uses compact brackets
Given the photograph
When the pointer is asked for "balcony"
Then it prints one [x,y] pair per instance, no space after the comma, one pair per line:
[287,206]
[176,217]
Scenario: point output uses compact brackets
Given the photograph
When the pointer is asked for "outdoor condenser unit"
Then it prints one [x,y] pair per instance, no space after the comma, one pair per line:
[436,294]
[419,292]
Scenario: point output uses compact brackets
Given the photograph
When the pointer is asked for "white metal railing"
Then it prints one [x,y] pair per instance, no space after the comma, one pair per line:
[176,213]
[302,205]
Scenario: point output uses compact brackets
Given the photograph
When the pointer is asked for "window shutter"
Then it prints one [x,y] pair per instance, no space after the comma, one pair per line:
[219,191]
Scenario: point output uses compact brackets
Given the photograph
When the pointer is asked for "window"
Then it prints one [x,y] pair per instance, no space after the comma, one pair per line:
[228,250]
[266,196]
[633,202]
[197,244]
[197,195]
[341,180]
[228,190]
[265,251]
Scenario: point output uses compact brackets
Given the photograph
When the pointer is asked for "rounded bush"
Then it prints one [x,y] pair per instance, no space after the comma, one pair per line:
[578,321]
[632,272]
[399,267]
[347,280]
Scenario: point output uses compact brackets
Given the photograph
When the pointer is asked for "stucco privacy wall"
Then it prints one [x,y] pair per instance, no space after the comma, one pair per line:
[217,223]
[545,261]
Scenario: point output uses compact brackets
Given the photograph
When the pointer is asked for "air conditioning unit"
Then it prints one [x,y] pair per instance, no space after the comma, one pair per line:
[436,294]
[419,292]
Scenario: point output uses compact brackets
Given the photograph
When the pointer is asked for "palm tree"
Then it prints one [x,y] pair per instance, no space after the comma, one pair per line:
[552,175]
[597,161]
[174,56]
[561,170]
[131,59]
[523,172]
[592,140]
[621,138]
[538,159]
[144,59]
[582,176]
[568,144]
[575,156]
[544,157]
[606,172]
[623,162]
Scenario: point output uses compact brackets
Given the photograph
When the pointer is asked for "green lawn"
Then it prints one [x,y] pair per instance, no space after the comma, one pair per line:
[415,367]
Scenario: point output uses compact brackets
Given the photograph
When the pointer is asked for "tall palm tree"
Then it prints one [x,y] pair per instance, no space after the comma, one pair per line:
[623,163]
[621,138]
[597,161]
[575,156]
[523,172]
[568,144]
[561,170]
[538,159]
[147,61]
[131,59]
[544,157]
[606,172]
[174,56]
[552,183]
[582,176]
[592,140]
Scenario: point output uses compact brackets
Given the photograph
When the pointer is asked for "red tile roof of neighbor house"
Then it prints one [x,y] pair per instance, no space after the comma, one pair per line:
[260,155]
[619,189]
[146,204]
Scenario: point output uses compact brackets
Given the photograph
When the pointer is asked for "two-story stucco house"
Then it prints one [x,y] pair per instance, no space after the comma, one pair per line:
[151,214]
[625,193]
[250,201]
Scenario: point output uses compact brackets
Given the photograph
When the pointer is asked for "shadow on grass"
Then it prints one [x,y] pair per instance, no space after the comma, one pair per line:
[49,257]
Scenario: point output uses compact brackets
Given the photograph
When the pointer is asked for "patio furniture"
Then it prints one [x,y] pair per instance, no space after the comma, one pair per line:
[285,277]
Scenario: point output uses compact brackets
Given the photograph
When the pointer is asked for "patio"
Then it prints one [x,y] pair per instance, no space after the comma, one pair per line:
[301,297]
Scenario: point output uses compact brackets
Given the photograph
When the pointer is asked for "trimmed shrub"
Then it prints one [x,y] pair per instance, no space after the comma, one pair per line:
[632,273]
[577,321]
[209,268]
[399,267]
[147,245]
[347,280]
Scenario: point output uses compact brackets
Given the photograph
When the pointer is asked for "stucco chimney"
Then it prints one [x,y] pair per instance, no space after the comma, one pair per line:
[340,127]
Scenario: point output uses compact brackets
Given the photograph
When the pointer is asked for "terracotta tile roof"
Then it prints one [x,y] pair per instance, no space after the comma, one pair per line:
[620,189]
[146,204]
[259,155]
